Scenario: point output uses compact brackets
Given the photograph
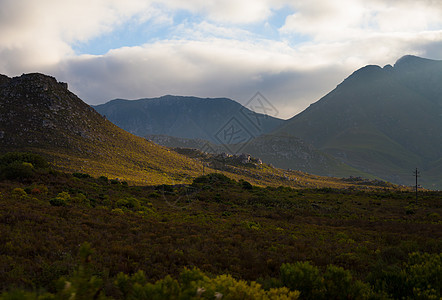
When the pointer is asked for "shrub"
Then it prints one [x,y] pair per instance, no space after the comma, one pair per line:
[81,199]
[17,170]
[58,202]
[81,175]
[339,284]
[304,277]
[17,165]
[419,278]
[36,160]
[103,179]
[62,199]
[424,275]
[213,179]
[246,185]
[19,194]
[129,202]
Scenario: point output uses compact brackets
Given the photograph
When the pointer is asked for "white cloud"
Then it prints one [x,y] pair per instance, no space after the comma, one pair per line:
[42,32]
[335,20]
[229,11]
[210,68]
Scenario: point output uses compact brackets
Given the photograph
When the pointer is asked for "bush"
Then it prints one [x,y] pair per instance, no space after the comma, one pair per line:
[194,284]
[19,194]
[304,277]
[16,165]
[36,160]
[339,284]
[335,283]
[246,185]
[103,179]
[129,202]
[419,278]
[213,179]
[81,175]
[424,275]
[17,170]
[62,199]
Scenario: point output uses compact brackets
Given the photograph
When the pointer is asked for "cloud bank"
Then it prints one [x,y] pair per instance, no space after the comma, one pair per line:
[291,51]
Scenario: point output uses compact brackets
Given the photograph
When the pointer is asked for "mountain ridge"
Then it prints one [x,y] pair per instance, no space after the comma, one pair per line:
[185,117]
[385,121]
[38,114]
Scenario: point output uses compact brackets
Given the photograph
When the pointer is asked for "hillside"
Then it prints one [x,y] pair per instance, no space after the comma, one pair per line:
[147,241]
[383,121]
[186,117]
[286,152]
[41,115]
[290,152]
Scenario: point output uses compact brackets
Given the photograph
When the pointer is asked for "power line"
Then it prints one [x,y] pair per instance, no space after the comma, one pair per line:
[416,173]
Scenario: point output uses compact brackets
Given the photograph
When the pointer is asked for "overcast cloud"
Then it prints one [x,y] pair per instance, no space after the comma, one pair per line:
[293,52]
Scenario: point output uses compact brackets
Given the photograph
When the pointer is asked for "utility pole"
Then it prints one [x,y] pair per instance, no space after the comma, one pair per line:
[416,173]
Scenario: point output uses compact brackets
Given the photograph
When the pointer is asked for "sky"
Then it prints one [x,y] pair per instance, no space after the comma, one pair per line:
[292,52]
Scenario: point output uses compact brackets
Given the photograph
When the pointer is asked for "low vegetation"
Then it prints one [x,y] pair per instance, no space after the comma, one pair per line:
[77,236]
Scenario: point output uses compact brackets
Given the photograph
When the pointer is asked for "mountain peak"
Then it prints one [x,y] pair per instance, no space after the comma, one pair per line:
[412,61]
[363,74]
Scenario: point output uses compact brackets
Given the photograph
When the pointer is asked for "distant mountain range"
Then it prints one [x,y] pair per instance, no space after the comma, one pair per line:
[378,123]
[383,121]
[188,117]
[39,114]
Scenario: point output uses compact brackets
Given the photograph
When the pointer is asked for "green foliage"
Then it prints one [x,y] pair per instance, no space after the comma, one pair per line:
[339,284]
[252,225]
[334,283]
[17,170]
[304,277]
[194,284]
[103,178]
[79,199]
[246,185]
[25,157]
[247,233]
[81,175]
[419,278]
[17,165]
[213,179]
[23,295]
[129,202]
[19,194]
[424,274]
[62,199]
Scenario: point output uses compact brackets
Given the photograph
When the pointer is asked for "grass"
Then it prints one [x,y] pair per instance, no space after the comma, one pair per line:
[217,224]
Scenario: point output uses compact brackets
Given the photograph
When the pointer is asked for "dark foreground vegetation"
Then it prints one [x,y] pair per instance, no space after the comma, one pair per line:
[72,236]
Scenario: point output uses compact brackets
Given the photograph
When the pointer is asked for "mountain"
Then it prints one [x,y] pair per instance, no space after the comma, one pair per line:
[383,121]
[41,115]
[187,117]
[285,152]
[290,152]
